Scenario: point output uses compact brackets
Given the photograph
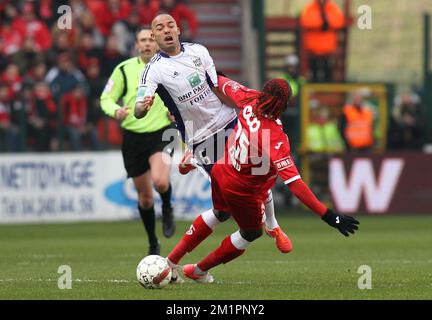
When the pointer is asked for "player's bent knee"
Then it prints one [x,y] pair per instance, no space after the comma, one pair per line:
[221,216]
[161,185]
[145,202]
[251,235]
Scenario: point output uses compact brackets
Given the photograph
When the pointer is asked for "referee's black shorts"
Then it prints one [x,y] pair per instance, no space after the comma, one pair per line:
[137,148]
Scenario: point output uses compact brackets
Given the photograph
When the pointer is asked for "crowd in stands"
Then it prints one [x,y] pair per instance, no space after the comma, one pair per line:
[51,78]
[408,128]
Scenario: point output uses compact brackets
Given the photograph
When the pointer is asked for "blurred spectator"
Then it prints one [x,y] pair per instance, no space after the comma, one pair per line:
[29,25]
[124,31]
[12,78]
[63,43]
[27,57]
[79,8]
[147,10]
[96,85]
[43,119]
[186,18]
[74,108]
[11,120]
[408,126]
[323,132]
[356,124]
[320,21]
[113,11]
[8,11]
[70,36]
[47,10]
[95,82]
[36,74]
[10,40]
[295,80]
[111,56]
[63,77]
[87,25]
[292,74]
[87,51]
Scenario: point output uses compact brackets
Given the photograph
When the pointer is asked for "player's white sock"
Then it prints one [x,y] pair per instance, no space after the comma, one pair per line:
[210,219]
[238,241]
[270,218]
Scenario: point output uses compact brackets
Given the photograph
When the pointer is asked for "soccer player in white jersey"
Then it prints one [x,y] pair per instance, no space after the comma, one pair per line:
[184,76]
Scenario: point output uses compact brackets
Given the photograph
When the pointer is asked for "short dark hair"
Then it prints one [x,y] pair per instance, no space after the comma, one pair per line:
[145,27]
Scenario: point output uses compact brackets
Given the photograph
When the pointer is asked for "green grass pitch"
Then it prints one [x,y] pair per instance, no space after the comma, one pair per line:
[323,264]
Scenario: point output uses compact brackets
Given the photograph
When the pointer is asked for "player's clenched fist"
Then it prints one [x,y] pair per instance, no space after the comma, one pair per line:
[141,108]
[341,222]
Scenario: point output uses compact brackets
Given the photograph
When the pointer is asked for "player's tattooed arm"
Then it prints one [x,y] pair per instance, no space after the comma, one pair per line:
[225,99]
[141,108]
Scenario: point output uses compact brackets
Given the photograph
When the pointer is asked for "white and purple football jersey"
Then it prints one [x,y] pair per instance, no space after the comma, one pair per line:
[184,83]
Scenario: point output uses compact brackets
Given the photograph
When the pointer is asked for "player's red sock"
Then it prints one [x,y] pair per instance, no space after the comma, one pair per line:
[197,232]
[222,254]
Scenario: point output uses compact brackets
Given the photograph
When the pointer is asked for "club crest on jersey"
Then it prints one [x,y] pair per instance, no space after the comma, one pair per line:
[141,92]
[283,163]
[194,79]
[197,62]
[235,87]
[109,86]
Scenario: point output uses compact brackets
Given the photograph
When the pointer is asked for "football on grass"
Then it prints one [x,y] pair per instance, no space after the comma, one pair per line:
[153,272]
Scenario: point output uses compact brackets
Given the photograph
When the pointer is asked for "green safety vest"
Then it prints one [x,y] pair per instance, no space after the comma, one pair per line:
[123,83]
[294,83]
[316,141]
[324,138]
[332,137]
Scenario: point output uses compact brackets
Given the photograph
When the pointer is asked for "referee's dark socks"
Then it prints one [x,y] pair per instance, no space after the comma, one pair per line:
[149,220]
[166,197]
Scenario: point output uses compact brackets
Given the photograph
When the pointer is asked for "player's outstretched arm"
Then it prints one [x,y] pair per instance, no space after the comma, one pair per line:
[225,99]
[341,222]
[345,224]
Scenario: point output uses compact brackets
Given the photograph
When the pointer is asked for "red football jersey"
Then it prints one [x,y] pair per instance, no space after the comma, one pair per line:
[256,152]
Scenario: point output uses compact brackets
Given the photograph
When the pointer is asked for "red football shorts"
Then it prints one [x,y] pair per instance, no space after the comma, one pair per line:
[246,209]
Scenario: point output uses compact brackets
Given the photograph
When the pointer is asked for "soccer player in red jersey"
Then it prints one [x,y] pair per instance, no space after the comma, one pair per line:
[257,152]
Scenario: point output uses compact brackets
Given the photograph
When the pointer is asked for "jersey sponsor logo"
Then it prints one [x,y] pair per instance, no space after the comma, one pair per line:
[277,147]
[109,86]
[197,62]
[284,163]
[196,95]
[194,79]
